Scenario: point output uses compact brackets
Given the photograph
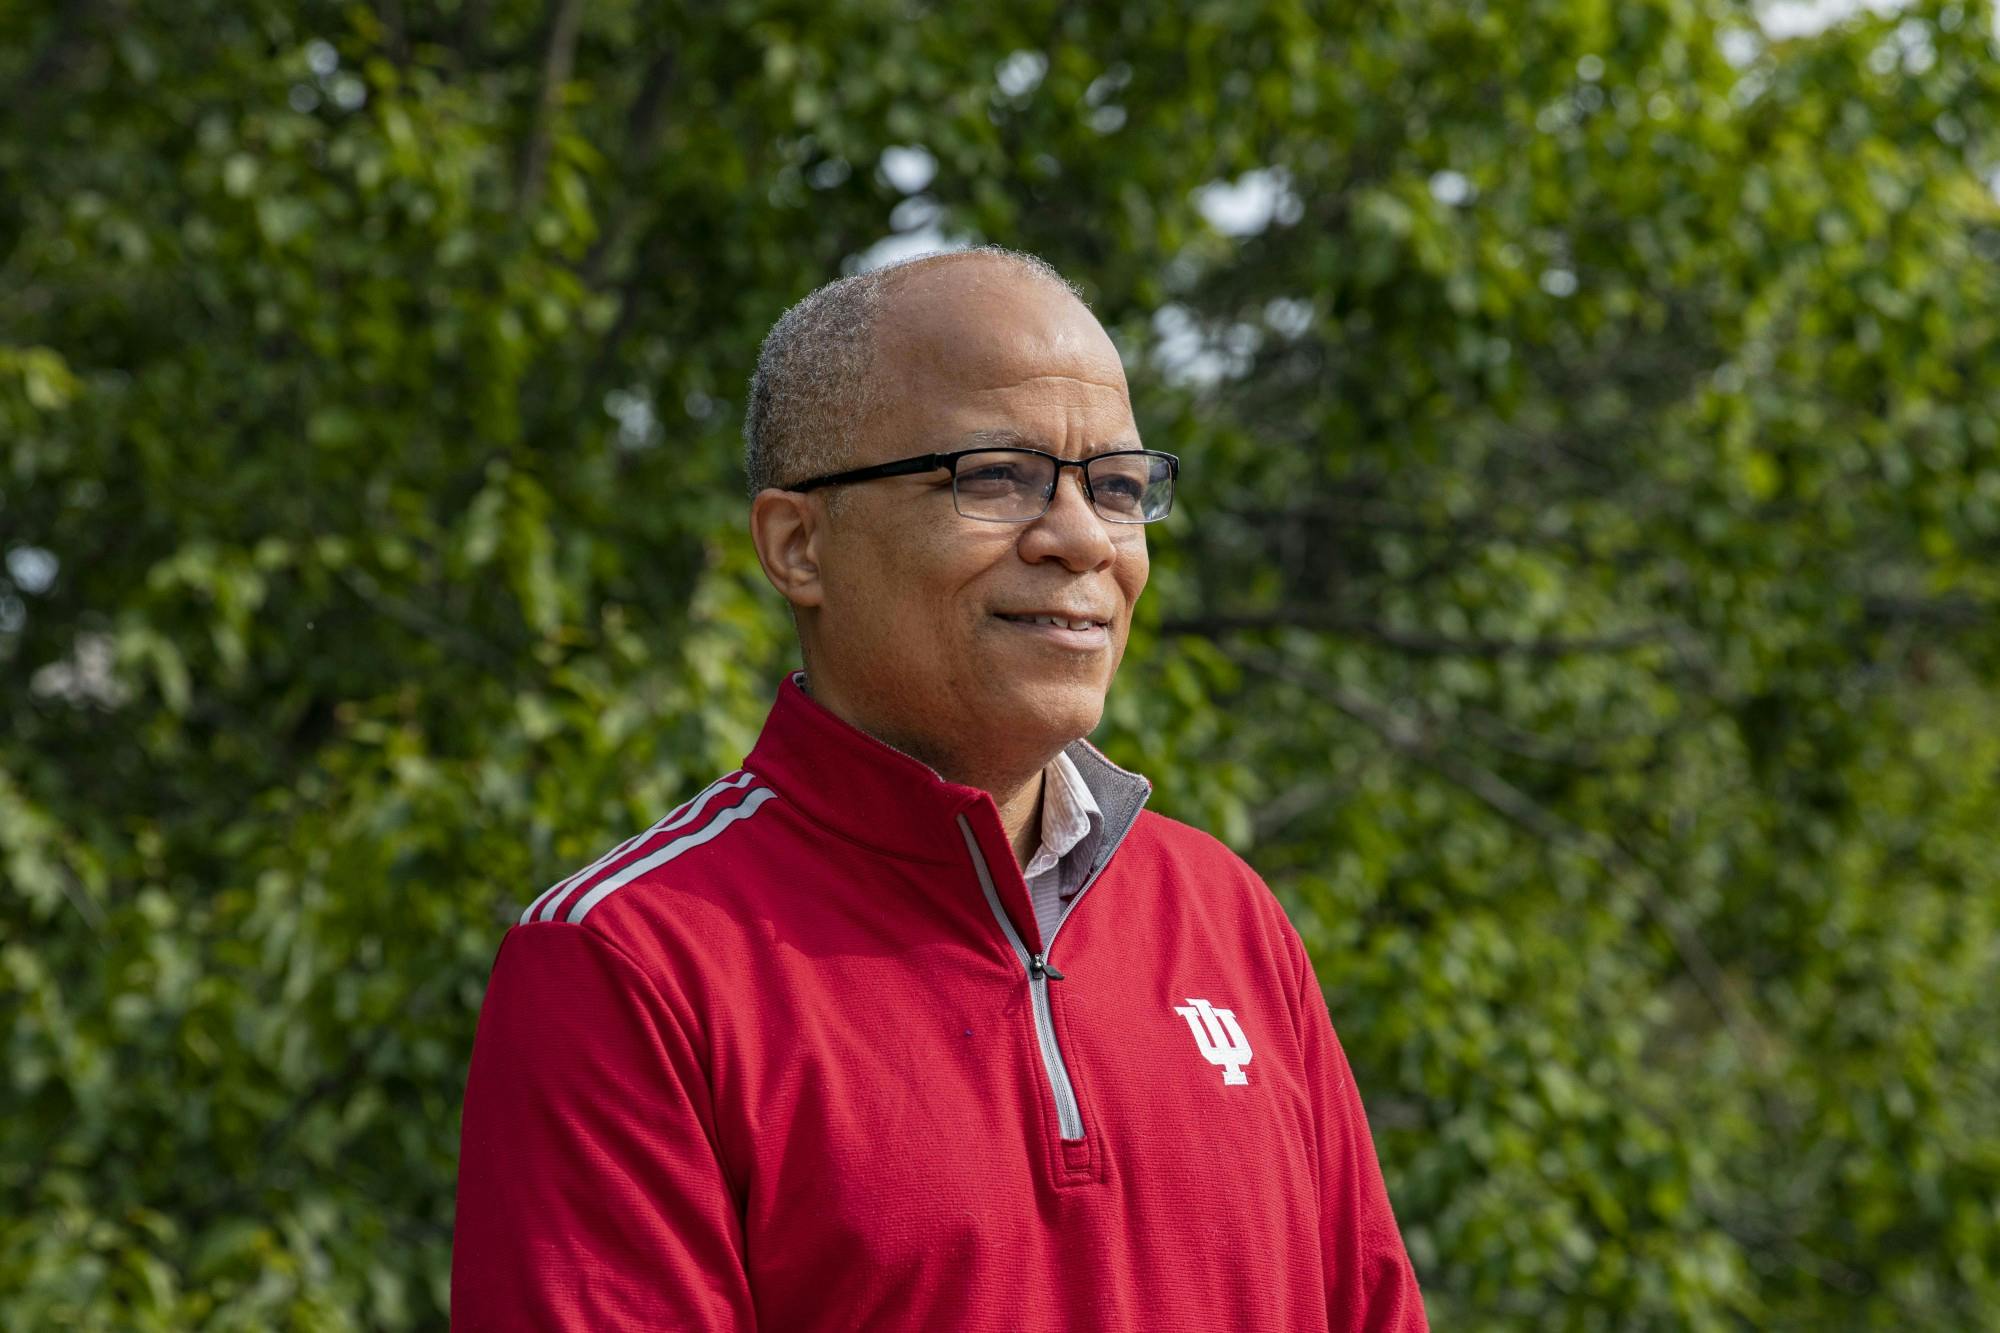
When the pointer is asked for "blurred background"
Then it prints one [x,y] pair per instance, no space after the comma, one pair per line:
[1580,607]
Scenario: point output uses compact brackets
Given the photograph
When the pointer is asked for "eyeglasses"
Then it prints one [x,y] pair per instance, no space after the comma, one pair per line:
[1015,485]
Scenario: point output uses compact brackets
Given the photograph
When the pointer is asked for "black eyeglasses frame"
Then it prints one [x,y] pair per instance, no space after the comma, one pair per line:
[903,467]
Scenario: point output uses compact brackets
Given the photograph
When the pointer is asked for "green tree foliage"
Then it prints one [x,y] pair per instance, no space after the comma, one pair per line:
[1582,604]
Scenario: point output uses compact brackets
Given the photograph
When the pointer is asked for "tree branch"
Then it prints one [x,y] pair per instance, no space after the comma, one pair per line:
[1942,612]
[413,617]
[1410,738]
[57,57]
[396,31]
[558,58]
[644,123]
[471,31]
[1415,642]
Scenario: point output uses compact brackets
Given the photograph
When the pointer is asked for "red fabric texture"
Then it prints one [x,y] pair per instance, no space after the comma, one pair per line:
[789,1079]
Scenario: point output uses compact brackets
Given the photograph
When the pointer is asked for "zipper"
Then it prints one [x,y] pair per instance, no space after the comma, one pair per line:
[1068,1118]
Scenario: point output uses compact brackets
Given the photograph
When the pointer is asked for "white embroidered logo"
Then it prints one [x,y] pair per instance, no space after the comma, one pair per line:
[1220,1038]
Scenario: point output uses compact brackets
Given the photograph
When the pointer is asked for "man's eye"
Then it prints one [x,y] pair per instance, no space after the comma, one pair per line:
[991,474]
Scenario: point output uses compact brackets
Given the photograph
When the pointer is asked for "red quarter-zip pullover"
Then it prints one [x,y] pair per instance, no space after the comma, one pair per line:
[798,1058]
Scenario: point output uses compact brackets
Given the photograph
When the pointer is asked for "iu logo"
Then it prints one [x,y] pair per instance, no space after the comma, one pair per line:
[1220,1038]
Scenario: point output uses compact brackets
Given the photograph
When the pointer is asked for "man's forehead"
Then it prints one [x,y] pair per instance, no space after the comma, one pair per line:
[983,323]
[1014,437]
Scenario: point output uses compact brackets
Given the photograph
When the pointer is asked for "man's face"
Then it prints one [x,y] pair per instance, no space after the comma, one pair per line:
[924,627]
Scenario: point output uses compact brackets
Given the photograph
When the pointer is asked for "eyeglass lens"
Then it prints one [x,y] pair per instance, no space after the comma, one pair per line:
[1010,487]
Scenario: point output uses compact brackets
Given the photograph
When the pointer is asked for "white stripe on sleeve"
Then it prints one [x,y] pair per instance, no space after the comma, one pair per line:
[545,904]
[743,810]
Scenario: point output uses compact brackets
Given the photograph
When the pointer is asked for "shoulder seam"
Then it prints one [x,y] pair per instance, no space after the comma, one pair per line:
[694,1033]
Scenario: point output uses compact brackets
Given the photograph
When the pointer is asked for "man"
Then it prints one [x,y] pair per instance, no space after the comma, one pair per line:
[919,1020]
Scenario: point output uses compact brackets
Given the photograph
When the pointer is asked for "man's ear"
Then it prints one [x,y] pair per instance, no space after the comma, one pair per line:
[786,526]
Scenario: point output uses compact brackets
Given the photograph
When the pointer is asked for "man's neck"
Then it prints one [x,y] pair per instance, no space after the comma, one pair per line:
[1021,816]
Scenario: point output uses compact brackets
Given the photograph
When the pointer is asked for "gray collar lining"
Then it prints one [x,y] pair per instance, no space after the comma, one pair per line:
[1118,793]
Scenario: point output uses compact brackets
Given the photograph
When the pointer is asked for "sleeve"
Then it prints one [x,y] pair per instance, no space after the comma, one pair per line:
[591,1194]
[1370,1285]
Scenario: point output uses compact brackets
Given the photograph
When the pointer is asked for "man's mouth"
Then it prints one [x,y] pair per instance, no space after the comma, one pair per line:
[1054,621]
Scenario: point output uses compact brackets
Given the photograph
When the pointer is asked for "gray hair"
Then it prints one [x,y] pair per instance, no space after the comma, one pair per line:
[812,385]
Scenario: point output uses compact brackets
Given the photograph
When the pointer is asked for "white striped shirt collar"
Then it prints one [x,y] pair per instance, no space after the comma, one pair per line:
[1069,815]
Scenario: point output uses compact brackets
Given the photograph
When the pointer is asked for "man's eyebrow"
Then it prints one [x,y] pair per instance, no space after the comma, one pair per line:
[1006,437]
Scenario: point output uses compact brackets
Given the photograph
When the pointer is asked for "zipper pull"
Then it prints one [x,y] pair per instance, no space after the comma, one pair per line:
[1038,968]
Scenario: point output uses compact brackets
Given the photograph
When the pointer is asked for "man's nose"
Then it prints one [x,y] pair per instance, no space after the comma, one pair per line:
[1071,530]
